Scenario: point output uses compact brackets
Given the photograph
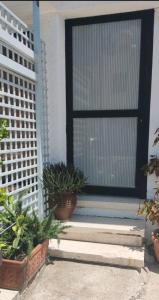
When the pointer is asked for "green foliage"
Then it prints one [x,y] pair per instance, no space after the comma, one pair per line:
[153,166]
[21,231]
[150,210]
[3,129]
[59,178]
[156,140]
[43,230]
[157,235]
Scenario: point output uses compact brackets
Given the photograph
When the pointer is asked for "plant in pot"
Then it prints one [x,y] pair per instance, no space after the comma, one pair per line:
[23,237]
[150,208]
[153,165]
[61,184]
[23,242]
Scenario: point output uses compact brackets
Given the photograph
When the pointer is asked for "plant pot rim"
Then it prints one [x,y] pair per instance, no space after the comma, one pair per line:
[24,260]
[15,261]
[155,239]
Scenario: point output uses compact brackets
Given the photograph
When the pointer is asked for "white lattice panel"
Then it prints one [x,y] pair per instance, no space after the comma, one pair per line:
[45,138]
[12,54]
[18,105]
[12,25]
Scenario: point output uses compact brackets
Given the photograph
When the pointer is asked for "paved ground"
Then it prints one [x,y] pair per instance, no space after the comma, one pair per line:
[66,280]
[153,283]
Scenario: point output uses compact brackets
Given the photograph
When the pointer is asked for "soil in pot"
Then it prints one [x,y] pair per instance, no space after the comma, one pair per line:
[66,203]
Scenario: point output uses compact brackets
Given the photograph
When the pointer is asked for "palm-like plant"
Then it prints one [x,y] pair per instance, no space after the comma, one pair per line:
[21,231]
[59,178]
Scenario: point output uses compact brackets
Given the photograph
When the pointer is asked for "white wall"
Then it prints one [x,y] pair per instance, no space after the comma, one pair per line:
[154,106]
[53,33]
[75,9]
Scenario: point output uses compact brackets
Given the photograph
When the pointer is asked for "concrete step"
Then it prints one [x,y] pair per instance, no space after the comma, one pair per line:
[108,206]
[98,253]
[105,230]
[9,295]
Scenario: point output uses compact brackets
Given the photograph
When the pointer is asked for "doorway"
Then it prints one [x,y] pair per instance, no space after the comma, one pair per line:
[108,87]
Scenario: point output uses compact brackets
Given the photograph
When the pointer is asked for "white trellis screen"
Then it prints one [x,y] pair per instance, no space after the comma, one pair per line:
[45,138]
[18,105]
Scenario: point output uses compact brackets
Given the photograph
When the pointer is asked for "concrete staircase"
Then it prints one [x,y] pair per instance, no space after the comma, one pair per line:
[110,239]
[108,206]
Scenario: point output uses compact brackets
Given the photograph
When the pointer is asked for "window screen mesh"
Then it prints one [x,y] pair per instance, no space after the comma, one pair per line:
[106,60]
[105,150]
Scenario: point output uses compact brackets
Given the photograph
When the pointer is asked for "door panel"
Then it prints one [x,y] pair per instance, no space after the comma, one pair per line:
[108,86]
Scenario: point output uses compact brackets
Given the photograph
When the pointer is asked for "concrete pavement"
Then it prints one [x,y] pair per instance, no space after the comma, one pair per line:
[151,291]
[66,280]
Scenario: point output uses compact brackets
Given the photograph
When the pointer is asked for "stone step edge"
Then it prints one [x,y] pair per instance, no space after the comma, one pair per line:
[85,251]
[133,241]
[103,229]
[105,233]
[108,224]
[88,203]
[108,213]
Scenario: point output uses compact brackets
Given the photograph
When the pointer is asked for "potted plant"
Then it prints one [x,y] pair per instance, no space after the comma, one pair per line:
[61,184]
[23,238]
[153,165]
[155,240]
[23,242]
[150,210]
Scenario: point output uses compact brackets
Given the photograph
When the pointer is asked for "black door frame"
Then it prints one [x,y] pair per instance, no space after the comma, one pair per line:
[142,113]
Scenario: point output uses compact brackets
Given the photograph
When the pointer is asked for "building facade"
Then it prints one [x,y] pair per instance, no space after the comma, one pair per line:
[102,70]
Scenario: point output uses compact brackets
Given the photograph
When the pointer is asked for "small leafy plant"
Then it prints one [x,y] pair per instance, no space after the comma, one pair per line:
[150,210]
[21,231]
[153,166]
[59,178]
[157,235]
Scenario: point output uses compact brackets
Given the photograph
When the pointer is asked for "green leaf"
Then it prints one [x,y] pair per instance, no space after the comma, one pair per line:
[14,228]
[16,242]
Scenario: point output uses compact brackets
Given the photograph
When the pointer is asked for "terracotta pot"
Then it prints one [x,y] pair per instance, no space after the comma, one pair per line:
[37,259]
[156,244]
[15,275]
[66,203]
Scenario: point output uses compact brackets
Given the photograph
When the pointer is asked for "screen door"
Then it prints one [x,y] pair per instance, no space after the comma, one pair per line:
[108,68]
